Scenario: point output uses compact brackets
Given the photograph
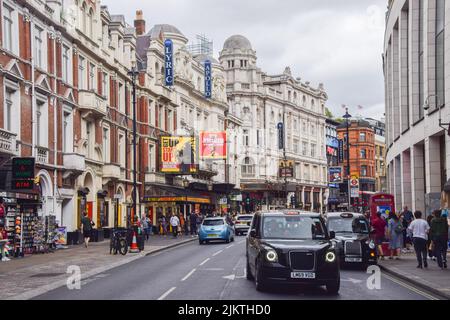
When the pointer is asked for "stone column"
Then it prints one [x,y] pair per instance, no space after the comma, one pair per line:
[432,165]
[406,179]
[398,183]
[312,199]
[417,178]
[321,199]
[303,197]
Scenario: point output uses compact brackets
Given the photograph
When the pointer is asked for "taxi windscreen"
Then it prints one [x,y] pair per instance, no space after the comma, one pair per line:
[293,227]
[343,225]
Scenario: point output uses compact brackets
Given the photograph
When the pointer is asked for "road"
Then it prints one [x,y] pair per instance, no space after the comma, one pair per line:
[217,272]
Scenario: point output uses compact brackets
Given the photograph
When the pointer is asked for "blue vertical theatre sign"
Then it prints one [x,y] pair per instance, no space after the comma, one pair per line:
[208,78]
[168,49]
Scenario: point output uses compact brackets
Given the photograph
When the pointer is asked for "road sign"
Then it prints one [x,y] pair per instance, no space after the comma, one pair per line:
[117,196]
[354,192]
[354,182]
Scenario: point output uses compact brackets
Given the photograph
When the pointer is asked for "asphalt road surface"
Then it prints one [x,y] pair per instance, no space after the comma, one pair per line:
[217,272]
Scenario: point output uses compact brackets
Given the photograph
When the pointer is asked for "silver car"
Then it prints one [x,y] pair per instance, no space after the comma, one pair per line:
[242,223]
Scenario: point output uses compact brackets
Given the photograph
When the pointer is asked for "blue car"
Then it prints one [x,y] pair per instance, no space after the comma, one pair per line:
[215,229]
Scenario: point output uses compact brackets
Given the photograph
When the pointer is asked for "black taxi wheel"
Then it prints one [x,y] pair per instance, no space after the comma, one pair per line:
[259,283]
[333,286]
[248,272]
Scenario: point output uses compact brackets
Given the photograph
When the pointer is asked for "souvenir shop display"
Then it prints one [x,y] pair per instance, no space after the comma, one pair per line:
[50,232]
[39,242]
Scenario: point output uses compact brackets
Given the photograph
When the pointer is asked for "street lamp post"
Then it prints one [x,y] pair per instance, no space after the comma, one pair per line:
[347,116]
[133,73]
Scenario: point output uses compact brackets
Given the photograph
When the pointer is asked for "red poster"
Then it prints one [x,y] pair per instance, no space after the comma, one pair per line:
[213,145]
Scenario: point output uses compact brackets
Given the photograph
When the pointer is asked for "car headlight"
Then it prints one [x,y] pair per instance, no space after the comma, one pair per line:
[330,257]
[371,244]
[271,256]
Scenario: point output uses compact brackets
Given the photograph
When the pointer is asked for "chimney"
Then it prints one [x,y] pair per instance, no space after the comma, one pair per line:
[139,23]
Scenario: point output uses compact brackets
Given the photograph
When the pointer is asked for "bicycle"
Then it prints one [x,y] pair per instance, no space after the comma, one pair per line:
[118,243]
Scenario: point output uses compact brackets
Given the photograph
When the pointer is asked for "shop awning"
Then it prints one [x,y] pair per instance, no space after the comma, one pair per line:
[178,195]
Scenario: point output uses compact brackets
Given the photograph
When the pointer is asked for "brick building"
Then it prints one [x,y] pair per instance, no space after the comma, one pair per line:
[362,157]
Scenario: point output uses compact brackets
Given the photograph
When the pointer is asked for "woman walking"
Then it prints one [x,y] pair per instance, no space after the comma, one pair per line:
[87,225]
[395,235]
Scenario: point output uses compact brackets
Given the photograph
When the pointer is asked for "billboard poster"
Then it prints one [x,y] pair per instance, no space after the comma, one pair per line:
[286,168]
[208,79]
[178,155]
[335,175]
[213,145]
[168,62]
[61,236]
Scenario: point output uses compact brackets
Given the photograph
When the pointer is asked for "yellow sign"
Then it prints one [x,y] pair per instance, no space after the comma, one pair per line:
[179,155]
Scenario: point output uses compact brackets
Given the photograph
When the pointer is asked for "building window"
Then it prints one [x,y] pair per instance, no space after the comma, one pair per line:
[421,57]
[65,63]
[151,158]
[122,150]
[41,123]
[364,171]
[161,117]
[7,122]
[304,148]
[83,17]
[121,97]
[296,145]
[91,77]
[440,61]
[362,154]
[246,138]
[362,137]
[105,86]
[150,112]
[38,47]
[81,73]
[248,168]
[67,134]
[7,27]
[313,150]
[106,146]
[90,22]
[170,121]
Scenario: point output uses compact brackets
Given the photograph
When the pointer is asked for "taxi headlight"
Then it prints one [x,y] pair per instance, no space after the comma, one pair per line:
[271,256]
[330,257]
[371,244]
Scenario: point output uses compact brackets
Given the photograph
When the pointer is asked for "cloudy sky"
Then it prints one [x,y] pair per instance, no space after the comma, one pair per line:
[338,43]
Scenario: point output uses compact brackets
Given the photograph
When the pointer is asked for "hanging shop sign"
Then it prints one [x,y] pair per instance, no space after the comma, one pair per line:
[286,169]
[280,128]
[341,151]
[335,175]
[22,173]
[208,79]
[168,63]
[179,155]
[213,145]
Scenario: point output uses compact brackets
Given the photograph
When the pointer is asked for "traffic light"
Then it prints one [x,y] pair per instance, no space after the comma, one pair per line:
[247,201]
[293,201]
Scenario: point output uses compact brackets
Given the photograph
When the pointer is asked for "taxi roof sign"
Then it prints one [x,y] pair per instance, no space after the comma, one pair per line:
[347,215]
[292,213]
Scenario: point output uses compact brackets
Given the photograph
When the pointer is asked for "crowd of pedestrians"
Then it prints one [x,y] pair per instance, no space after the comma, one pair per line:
[405,229]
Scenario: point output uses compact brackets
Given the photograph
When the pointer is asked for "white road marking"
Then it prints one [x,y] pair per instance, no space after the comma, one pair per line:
[205,261]
[241,241]
[229,246]
[167,293]
[188,275]
[407,286]
[215,254]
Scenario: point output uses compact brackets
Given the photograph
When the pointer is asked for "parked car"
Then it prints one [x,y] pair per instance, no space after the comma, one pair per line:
[215,228]
[291,247]
[242,223]
[353,242]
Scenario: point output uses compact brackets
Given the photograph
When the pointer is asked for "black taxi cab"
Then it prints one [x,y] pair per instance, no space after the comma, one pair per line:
[291,247]
[352,235]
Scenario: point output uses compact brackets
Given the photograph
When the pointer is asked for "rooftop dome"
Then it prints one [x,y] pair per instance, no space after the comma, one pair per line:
[164,28]
[202,57]
[237,42]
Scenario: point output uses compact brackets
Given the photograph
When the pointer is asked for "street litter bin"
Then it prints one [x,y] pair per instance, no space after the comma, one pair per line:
[140,241]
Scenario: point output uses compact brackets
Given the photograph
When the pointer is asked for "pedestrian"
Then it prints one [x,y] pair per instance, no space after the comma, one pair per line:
[193,221]
[395,235]
[87,225]
[2,211]
[429,242]
[174,222]
[163,225]
[181,226]
[419,229]
[406,221]
[439,238]
[379,226]
[199,222]
[145,226]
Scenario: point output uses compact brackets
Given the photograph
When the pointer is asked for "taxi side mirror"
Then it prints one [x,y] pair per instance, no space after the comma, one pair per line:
[253,233]
[332,235]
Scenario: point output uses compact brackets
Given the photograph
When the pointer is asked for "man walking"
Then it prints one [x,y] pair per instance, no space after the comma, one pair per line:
[174,222]
[379,225]
[439,236]
[406,221]
[419,229]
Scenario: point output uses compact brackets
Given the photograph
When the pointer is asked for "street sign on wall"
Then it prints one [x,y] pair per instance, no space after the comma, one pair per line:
[208,79]
[168,62]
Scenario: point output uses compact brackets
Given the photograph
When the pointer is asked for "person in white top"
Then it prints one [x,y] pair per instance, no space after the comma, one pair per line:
[174,222]
[420,228]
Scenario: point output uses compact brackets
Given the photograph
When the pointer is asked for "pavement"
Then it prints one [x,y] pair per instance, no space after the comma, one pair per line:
[217,272]
[36,274]
[432,279]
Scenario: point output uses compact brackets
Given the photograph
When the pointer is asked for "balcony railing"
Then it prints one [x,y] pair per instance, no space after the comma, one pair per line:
[74,161]
[42,154]
[8,142]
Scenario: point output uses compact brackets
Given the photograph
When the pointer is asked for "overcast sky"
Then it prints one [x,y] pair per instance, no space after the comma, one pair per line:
[338,43]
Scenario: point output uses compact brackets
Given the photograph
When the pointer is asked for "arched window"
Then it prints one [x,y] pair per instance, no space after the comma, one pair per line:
[83,17]
[248,167]
[304,101]
[312,105]
[295,97]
